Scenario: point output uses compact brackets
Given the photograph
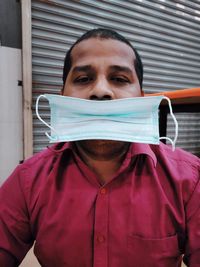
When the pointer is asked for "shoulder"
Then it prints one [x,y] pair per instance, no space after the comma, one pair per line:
[34,172]
[180,168]
[179,157]
[45,158]
[35,164]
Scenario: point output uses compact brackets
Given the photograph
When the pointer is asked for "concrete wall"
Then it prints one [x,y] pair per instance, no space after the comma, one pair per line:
[30,260]
[11,126]
[11,120]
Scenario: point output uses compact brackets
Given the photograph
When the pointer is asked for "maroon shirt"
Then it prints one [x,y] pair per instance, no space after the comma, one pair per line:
[148,215]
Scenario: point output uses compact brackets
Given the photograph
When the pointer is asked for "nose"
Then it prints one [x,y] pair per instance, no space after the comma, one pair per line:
[101,91]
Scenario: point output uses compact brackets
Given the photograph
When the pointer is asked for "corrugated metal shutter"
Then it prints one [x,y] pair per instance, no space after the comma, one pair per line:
[189,131]
[166,33]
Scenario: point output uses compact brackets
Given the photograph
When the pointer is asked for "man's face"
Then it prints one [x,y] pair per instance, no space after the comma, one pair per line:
[102,69]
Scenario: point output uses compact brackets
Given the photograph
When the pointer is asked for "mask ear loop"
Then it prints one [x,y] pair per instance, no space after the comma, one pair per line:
[45,123]
[173,142]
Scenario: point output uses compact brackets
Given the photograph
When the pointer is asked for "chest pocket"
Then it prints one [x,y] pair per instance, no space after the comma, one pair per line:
[144,252]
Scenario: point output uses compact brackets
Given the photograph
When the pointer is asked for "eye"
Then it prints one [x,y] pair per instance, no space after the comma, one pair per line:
[119,79]
[82,79]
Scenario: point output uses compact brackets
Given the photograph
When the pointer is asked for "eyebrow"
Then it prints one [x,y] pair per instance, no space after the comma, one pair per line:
[121,69]
[86,68]
[83,68]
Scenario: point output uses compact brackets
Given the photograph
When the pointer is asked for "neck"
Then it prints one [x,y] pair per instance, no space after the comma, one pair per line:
[104,167]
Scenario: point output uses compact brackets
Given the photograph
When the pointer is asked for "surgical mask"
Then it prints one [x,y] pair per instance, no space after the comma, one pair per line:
[128,119]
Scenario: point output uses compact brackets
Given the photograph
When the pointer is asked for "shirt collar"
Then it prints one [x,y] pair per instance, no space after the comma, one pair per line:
[134,150]
[60,147]
[138,149]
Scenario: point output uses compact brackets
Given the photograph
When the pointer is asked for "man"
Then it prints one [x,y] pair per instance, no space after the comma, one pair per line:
[103,203]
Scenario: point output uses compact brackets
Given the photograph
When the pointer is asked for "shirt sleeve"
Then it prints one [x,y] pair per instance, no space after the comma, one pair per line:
[15,231]
[192,249]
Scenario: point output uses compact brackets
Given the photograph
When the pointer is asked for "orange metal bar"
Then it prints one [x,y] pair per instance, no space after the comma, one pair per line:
[183,93]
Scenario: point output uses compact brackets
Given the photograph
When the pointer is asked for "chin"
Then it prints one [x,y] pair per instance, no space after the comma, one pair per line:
[105,149]
[102,142]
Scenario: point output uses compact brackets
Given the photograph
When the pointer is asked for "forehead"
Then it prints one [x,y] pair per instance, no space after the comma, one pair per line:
[104,50]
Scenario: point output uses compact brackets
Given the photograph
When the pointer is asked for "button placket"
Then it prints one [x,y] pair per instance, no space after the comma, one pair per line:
[101,229]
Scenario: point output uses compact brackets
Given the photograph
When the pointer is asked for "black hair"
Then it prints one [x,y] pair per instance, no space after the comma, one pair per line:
[102,33]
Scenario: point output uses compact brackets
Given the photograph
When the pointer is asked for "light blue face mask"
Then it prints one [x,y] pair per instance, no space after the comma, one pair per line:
[128,119]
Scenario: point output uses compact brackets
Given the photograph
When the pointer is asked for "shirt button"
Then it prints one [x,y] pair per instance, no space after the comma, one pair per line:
[103,191]
[100,239]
